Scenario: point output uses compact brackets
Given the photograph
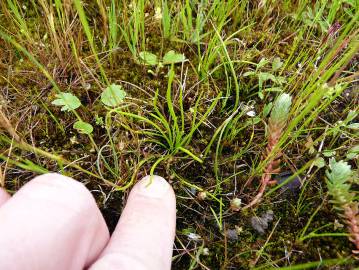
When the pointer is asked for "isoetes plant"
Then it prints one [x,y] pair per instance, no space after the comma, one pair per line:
[339,178]
[276,124]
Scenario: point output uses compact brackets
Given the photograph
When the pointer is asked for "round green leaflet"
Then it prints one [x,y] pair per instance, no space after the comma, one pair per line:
[83,127]
[113,95]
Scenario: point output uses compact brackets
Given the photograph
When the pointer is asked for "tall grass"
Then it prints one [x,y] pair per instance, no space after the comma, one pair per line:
[12,8]
[133,26]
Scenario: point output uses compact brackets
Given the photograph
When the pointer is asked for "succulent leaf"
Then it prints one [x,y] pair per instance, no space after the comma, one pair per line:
[281,108]
[338,178]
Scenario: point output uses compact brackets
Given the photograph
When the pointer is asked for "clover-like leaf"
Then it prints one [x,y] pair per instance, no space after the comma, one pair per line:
[148,58]
[113,95]
[172,57]
[67,100]
[262,63]
[276,64]
[265,76]
[83,127]
[319,162]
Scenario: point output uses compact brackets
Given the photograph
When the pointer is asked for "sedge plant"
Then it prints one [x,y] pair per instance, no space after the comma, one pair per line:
[167,128]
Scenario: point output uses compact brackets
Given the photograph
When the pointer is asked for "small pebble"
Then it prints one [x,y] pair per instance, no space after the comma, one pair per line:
[232,235]
[260,224]
[290,188]
[202,195]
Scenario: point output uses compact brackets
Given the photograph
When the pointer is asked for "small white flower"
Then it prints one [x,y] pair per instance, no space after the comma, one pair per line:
[194,236]
[251,113]
[205,252]
[158,13]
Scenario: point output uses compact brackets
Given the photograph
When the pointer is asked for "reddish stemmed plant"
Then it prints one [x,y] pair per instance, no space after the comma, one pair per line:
[339,184]
[276,124]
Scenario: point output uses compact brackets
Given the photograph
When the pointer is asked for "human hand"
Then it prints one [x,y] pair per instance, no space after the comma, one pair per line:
[53,223]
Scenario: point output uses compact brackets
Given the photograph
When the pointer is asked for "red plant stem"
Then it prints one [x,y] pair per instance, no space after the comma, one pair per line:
[264,182]
[275,132]
[351,213]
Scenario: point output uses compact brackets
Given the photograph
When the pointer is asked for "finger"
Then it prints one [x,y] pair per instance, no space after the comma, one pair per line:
[143,238]
[4,196]
[51,223]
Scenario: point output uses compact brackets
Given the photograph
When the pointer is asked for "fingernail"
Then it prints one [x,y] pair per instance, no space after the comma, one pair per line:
[153,186]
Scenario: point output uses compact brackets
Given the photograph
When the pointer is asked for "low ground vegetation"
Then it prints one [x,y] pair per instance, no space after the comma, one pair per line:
[248,108]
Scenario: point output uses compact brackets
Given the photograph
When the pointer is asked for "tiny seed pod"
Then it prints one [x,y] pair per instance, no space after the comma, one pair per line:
[202,195]
[236,204]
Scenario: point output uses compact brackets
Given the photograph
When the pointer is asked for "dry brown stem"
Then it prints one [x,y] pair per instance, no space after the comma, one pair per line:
[5,123]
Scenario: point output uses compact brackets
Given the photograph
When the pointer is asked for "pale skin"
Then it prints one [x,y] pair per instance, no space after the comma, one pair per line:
[53,223]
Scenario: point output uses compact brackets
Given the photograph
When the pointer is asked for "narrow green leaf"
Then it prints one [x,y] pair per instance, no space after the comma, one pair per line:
[267,108]
[248,73]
